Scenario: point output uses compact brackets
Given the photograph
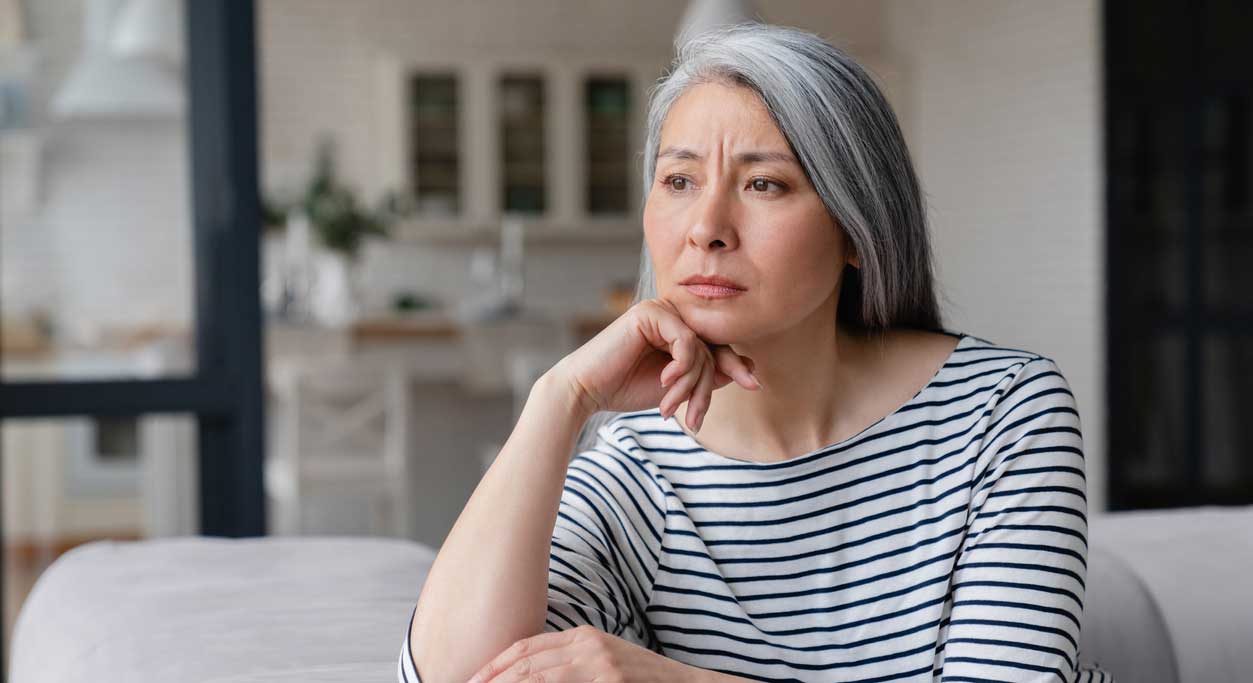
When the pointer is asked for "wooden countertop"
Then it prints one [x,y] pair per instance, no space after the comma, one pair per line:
[436,327]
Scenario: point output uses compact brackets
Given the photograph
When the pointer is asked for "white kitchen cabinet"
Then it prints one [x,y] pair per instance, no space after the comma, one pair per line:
[575,95]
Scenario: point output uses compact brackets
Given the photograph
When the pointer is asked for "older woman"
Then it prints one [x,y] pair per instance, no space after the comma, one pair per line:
[866,497]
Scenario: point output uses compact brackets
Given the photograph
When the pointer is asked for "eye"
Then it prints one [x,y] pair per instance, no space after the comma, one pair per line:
[763,184]
[670,180]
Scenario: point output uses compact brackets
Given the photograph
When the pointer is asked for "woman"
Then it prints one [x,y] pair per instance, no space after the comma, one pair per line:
[872,497]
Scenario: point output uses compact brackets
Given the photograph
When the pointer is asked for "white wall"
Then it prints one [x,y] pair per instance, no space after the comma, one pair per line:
[1003,116]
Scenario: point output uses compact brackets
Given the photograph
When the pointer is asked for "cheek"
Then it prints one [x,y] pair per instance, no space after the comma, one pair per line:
[661,236]
[800,271]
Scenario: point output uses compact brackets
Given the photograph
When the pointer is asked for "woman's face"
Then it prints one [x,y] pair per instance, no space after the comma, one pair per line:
[728,198]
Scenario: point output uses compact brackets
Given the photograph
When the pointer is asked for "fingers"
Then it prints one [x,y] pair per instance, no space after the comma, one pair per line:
[735,366]
[696,388]
[536,653]
[698,404]
[679,392]
[687,350]
[669,372]
[663,329]
[696,368]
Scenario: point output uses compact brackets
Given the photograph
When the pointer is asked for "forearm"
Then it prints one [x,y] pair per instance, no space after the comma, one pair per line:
[708,676]
[488,586]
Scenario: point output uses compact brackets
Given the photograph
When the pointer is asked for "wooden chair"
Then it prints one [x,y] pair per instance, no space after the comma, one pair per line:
[343,433]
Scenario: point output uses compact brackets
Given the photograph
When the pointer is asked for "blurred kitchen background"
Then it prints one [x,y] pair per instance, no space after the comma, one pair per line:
[449,203]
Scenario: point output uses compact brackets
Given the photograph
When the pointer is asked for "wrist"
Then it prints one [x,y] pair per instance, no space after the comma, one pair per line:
[554,389]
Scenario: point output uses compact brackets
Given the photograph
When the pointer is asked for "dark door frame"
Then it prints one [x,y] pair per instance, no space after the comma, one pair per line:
[1144,106]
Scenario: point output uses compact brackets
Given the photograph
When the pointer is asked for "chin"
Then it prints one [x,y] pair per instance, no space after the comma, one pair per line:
[717,327]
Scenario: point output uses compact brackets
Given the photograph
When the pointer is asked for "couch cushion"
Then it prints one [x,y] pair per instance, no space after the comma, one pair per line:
[1194,564]
[1123,632]
[218,609]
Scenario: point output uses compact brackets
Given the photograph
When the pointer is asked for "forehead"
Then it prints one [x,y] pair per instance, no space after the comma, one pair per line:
[711,113]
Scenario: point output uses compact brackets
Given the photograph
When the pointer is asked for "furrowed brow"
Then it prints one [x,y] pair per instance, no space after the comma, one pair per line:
[685,154]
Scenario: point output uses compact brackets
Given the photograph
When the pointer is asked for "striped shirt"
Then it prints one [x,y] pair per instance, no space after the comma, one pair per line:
[945,542]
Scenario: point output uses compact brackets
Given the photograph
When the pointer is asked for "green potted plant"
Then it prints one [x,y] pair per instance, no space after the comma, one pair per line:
[337,218]
[339,224]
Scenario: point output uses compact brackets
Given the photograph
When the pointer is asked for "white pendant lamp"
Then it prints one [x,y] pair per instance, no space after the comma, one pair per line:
[150,29]
[104,84]
[702,15]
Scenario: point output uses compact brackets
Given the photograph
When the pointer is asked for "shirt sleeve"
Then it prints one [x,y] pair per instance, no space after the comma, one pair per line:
[1018,585]
[406,668]
[605,545]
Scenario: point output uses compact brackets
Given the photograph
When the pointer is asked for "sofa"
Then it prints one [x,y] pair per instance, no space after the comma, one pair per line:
[1169,600]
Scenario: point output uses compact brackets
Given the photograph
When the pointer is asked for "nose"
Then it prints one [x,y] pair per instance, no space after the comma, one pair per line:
[713,216]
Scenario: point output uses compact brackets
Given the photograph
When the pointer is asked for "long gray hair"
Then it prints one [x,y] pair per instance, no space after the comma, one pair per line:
[847,139]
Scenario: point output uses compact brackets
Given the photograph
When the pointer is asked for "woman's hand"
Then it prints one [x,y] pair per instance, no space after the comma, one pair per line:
[583,653]
[650,357]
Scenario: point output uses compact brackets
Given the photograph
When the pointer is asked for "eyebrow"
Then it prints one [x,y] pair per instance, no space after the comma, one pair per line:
[743,158]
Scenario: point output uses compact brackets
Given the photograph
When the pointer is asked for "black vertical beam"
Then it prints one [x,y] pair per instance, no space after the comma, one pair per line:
[4,669]
[1195,92]
[222,118]
[1113,275]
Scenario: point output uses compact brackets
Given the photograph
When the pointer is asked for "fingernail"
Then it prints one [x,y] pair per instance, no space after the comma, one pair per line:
[755,380]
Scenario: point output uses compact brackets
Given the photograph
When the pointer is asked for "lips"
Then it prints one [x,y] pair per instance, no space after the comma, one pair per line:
[715,280]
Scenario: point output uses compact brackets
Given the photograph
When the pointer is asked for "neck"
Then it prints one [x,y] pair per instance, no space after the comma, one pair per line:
[810,374]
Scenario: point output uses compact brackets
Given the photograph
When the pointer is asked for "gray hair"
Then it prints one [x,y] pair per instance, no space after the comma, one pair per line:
[846,137]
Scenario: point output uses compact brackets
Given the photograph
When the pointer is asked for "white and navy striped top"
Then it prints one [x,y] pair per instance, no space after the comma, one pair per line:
[945,542]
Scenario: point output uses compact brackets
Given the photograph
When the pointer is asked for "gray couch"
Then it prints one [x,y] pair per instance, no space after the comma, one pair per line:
[1170,595]
[1169,600]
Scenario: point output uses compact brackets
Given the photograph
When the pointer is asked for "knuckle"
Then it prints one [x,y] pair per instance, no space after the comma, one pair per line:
[609,668]
[640,311]
[595,637]
[655,306]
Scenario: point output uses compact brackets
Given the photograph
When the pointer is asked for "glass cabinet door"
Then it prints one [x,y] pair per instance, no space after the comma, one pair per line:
[607,109]
[434,157]
[522,143]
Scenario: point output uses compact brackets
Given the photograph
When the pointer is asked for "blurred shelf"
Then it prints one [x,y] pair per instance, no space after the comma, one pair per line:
[427,326]
[614,231]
